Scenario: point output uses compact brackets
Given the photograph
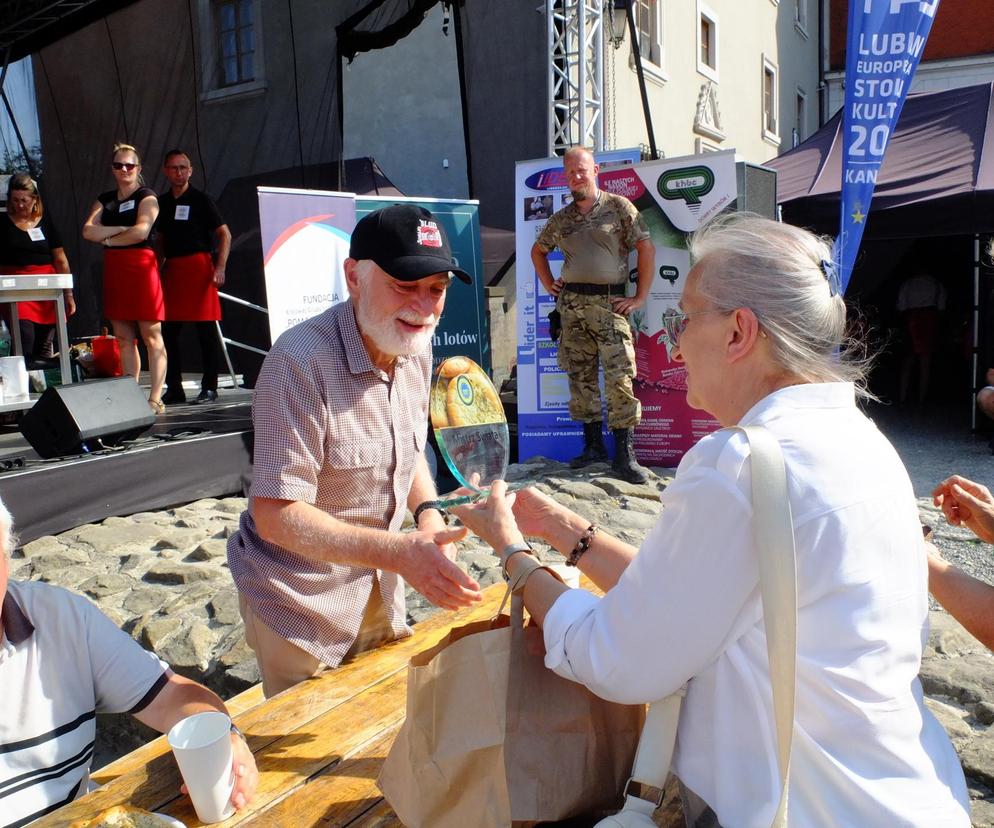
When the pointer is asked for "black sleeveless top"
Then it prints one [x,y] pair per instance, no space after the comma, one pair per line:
[18,248]
[125,213]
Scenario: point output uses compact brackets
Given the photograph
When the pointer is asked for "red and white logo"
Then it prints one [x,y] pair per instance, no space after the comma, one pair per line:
[428,234]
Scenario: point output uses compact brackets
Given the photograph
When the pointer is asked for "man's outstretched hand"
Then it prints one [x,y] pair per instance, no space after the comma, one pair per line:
[424,564]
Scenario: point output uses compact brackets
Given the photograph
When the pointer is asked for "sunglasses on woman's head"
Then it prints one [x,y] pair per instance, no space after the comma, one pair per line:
[123,165]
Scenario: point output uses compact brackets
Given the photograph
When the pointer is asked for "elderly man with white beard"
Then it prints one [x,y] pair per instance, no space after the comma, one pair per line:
[341,421]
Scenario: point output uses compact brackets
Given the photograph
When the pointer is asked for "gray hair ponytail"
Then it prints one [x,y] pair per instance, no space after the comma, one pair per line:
[779,272]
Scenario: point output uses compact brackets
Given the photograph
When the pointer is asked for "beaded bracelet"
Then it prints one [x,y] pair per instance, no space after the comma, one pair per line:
[582,545]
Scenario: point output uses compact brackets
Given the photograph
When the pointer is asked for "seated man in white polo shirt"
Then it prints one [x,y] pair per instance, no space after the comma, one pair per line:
[61,662]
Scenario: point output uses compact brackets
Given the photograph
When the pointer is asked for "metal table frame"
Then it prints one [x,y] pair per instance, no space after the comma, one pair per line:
[33,287]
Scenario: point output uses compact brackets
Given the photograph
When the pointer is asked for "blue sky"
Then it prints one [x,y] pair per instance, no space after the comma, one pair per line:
[20,91]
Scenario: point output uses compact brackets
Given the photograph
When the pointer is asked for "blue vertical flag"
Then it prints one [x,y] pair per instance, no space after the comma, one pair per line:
[885,41]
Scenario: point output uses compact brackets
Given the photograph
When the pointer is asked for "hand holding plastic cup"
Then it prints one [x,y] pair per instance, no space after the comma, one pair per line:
[201,744]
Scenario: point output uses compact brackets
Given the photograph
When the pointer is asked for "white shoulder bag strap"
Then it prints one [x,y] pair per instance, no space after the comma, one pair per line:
[773,531]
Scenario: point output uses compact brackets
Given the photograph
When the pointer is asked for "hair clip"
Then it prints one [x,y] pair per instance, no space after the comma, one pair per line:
[830,270]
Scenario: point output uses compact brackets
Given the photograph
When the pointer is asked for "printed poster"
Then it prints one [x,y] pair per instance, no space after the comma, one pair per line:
[675,197]
[463,329]
[544,424]
[305,239]
[305,242]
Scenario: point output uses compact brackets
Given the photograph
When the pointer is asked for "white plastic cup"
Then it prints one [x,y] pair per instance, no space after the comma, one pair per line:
[201,744]
[15,379]
[569,574]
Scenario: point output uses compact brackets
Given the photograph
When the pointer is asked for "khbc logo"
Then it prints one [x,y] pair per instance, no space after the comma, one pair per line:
[688,184]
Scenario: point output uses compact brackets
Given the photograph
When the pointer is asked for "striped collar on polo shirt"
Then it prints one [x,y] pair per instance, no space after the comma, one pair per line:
[17,627]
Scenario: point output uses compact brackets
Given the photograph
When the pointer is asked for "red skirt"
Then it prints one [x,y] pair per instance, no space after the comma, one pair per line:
[189,289]
[41,313]
[132,287]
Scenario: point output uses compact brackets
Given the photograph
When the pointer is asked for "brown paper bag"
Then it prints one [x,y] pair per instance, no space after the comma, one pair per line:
[493,738]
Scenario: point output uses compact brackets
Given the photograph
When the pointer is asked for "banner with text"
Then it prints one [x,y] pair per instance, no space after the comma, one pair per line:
[544,424]
[305,241]
[675,197]
[463,328]
[885,41]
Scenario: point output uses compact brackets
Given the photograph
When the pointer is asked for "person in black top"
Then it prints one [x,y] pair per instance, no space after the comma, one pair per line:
[194,243]
[29,243]
[122,221]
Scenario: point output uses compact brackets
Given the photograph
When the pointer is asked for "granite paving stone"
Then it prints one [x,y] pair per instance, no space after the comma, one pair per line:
[163,577]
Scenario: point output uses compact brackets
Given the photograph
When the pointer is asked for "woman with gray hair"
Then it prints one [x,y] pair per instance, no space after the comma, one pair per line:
[761,331]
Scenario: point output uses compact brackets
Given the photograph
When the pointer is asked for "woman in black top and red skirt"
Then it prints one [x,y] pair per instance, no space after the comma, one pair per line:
[121,220]
[29,243]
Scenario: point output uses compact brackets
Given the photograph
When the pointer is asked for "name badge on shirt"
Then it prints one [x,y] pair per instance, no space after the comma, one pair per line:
[126,205]
[182,212]
[35,234]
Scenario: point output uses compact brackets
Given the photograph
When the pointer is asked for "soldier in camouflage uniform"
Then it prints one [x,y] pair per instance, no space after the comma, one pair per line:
[596,232]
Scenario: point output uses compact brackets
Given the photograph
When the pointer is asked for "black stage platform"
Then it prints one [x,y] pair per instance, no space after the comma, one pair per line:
[192,451]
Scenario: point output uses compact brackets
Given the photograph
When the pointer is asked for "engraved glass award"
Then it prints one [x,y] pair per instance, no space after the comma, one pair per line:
[470,427]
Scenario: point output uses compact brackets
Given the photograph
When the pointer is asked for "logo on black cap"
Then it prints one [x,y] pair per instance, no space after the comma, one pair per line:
[428,234]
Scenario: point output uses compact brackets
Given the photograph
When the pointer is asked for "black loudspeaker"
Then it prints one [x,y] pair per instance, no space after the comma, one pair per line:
[78,418]
[757,189]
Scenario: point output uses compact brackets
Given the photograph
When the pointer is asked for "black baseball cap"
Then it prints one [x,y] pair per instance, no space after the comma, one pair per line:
[406,241]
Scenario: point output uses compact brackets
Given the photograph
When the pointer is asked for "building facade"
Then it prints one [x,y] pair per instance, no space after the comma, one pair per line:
[253,91]
[720,74]
[959,51]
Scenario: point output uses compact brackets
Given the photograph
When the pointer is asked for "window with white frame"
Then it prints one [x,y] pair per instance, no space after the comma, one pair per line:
[771,106]
[800,116]
[231,47]
[707,42]
[649,22]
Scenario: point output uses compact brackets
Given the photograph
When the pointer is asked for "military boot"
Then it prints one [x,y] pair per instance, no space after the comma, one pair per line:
[625,466]
[593,447]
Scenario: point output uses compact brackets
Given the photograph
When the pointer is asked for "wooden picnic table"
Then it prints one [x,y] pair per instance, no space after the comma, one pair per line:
[318,746]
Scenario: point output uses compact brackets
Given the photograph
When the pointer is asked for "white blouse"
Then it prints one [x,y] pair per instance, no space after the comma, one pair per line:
[866,751]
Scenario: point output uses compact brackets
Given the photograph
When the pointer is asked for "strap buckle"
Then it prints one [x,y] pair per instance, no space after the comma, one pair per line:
[643,791]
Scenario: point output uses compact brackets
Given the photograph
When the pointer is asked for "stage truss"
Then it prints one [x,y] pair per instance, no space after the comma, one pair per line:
[576,74]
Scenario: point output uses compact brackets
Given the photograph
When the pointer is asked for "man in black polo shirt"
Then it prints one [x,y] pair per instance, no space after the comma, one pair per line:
[195,243]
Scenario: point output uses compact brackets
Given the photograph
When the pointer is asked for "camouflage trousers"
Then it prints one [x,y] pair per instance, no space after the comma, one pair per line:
[594,335]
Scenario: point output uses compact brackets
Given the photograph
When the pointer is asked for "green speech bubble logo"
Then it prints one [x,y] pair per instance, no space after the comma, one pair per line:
[686,183]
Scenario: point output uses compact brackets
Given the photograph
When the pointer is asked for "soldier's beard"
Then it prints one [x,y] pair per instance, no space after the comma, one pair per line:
[583,194]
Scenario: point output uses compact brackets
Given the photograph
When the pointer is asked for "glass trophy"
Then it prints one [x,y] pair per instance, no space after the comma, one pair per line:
[470,427]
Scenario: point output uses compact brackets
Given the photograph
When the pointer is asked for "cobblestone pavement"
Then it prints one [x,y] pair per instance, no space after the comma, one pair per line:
[162,576]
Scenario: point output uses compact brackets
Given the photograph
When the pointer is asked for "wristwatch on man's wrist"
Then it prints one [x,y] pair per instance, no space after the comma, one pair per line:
[426,506]
[238,733]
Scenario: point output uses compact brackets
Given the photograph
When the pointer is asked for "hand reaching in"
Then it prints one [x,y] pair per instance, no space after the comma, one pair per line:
[965,503]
